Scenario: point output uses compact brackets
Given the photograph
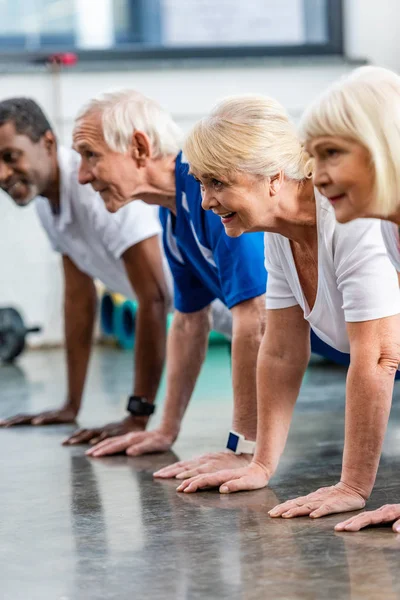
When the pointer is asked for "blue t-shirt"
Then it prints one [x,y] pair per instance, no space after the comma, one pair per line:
[207,264]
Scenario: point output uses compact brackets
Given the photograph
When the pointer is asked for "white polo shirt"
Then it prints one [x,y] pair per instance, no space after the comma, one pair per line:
[356,280]
[93,238]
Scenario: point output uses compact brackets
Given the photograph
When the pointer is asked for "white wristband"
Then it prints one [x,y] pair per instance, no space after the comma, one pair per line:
[238,444]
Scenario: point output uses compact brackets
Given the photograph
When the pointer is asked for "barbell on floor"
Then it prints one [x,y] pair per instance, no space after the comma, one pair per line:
[13,333]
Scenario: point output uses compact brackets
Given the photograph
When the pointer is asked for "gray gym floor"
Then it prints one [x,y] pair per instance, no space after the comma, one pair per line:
[79,529]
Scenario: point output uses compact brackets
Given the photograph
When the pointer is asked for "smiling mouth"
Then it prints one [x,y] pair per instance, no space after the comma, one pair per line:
[226,216]
[16,187]
[336,198]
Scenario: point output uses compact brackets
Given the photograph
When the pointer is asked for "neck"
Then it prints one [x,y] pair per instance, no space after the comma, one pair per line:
[160,187]
[394,218]
[52,189]
[295,214]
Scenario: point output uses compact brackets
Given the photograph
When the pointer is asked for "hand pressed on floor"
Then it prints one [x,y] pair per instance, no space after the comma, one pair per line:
[48,417]
[252,477]
[207,463]
[325,501]
[134,444]
[95,435]
[390,513]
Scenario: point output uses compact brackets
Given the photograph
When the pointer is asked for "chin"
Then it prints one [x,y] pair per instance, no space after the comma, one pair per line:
[346,215]
[234,232]
[22,202]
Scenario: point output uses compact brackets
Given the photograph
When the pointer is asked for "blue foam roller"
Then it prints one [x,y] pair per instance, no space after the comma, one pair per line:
[107,309]
[124,324]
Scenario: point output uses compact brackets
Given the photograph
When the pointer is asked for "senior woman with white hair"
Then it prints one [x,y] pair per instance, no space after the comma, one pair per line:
[337,279]
[353,133]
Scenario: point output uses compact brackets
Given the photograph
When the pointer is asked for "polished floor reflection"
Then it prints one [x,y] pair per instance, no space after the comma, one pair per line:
[79,529]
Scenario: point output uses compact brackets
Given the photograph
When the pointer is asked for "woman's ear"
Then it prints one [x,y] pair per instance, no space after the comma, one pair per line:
[275,183]
[141,147]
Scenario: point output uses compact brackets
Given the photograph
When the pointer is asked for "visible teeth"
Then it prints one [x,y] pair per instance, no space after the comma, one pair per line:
[15,186]
[227,215]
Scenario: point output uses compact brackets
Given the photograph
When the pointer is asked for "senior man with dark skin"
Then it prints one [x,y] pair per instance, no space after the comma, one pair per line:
[128,148]
[123,251]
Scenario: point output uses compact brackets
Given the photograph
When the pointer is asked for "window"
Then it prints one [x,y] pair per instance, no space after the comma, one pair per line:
[173,28]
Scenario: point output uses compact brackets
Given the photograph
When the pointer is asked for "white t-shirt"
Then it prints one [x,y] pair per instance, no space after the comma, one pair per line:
[93,238]
[356,280]
[390,233]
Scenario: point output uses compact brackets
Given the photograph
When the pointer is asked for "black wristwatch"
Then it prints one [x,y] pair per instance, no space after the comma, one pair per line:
[140,407]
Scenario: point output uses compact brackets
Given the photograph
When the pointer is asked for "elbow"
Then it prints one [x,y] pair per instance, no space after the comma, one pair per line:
[389,359]
[157,300]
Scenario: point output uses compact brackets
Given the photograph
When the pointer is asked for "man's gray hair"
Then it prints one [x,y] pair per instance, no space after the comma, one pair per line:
[126,111]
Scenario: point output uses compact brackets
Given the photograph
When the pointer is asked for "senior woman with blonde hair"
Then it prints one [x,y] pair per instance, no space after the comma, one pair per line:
[336,279]
[353,133]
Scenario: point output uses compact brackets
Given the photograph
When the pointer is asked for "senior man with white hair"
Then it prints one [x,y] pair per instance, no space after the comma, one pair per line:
[130,150]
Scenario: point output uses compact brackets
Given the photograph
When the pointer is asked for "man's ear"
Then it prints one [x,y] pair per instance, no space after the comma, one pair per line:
[275,183]
[50,142]
[141,147]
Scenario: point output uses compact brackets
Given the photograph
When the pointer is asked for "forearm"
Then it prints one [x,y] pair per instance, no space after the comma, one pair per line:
[186,350]
[279,377]
[369,392]
[245,347]
[79,315]
[150,333]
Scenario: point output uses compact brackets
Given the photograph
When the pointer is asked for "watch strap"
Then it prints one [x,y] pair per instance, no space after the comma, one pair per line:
[139,406]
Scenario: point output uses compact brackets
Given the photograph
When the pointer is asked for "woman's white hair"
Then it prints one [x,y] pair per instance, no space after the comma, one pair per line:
[252,134]
[126,111]
[364,107]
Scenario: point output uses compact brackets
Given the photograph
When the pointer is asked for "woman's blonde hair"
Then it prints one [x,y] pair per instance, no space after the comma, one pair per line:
[364,107]
[252,134]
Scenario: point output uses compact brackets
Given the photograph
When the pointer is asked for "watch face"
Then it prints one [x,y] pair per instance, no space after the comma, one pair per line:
[232,442]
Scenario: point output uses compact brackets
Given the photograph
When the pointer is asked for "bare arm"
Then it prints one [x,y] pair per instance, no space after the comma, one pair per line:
[79,316]
[143,264]
[375,355]
[187,348]
[282,362]
[248,320]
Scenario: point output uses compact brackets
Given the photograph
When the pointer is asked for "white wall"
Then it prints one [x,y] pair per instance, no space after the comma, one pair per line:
[373,32]
[29,272]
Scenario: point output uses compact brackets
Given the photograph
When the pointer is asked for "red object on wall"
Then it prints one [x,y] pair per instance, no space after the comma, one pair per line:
[66,59]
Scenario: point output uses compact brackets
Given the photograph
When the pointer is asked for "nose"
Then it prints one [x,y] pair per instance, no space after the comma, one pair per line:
[5,172]
[208,202]
[320,175]
[85,175]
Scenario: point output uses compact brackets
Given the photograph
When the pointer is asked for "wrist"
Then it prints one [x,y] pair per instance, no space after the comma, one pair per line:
[267,470]
[135,421]
[360,480]
[363,491]
[71,407]
[170,429]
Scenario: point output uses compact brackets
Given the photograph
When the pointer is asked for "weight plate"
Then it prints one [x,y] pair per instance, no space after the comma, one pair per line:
[12,334]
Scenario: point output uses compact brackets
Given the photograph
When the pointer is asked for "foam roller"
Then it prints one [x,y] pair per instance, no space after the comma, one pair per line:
[124,324]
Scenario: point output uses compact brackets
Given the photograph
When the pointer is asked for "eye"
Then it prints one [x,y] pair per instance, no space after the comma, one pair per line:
[332,152]
[217,185]
[10,157]
[89,154]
